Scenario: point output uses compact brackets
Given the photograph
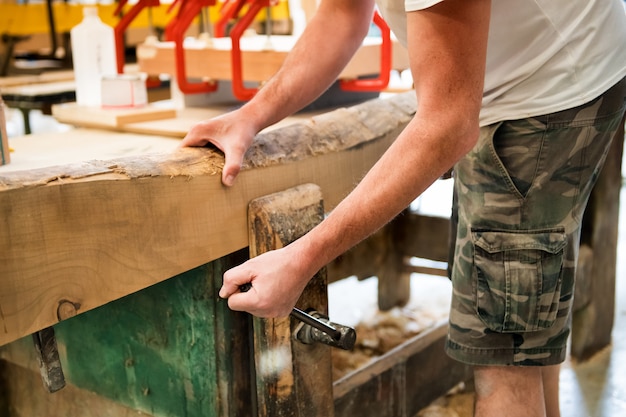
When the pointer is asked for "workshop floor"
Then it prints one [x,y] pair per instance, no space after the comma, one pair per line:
[596,388]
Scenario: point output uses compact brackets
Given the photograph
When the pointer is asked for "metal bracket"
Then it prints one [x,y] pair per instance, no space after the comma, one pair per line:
[48,360]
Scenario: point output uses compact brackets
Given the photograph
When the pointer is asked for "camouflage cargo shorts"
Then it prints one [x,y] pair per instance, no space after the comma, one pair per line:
[520,195]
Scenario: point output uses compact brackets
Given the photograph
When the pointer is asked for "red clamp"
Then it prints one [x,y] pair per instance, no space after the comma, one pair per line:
[169,27]
[239,90]
[122,25]
[382,81]
[188,10]
[229,11]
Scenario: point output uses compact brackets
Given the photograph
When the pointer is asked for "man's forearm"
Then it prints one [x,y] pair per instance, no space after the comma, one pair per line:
[324,49]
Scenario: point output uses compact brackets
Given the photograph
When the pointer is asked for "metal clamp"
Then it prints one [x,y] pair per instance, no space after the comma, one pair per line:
[316,327]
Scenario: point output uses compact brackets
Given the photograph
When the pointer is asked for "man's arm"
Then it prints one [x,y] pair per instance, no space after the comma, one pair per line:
[447,45]
[325,47]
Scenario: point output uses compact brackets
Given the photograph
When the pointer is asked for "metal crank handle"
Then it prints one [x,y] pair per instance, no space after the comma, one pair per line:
[315,322]
[316,327]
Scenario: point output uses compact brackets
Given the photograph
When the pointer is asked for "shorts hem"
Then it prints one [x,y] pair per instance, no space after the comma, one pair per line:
[506,356]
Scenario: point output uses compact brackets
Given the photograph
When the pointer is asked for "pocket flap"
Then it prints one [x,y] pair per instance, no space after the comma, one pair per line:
[551,241]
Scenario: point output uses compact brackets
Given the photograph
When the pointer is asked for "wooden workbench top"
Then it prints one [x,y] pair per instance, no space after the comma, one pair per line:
[78,145]
[40,89]
[46,77]
[91,232]
[83,144]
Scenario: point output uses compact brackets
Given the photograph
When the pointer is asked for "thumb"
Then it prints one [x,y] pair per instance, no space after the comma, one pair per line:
[235,280]
[232,166]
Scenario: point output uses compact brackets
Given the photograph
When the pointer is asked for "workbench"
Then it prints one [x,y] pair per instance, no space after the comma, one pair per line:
[124,257]
[49,89]
[38,97]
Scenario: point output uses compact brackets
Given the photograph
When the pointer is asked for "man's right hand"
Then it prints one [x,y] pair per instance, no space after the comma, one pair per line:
[232,134]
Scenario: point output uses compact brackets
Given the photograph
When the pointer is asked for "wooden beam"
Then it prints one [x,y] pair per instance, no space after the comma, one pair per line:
[258,63]
[90,233]
[5,151]
[592,325]
[385,255]
[402,381]
[292,378]
[115,118]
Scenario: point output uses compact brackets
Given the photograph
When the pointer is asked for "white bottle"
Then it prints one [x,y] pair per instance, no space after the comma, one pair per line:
[93,56]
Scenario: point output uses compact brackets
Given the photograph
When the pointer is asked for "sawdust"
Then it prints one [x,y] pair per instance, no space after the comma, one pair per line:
[378,335]
[380,332]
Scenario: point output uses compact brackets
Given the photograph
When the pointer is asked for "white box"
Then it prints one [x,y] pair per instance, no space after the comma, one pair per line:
[124,90]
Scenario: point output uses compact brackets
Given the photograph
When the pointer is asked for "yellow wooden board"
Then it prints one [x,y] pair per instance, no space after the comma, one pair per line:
[115,118]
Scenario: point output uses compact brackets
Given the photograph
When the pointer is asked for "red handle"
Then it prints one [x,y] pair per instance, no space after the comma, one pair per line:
[382,81]
[187,12]
[239,90]
[229,11]
[123,24]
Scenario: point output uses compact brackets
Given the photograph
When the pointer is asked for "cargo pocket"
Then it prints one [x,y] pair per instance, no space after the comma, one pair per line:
[517,278]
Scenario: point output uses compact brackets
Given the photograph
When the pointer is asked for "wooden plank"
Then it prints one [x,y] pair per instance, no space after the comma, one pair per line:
[583,291]
[189,116]
[94,232]
[72,113]
[179,126]
[52,76]
[78,145]
[46,77]
[258,63]
[39,89]
[402,381]
[5,151]
[293,379]
[592,325]
[4,388]
[411,235]
[424,236]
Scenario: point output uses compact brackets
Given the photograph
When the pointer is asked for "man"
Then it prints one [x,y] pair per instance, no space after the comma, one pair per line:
[524,97]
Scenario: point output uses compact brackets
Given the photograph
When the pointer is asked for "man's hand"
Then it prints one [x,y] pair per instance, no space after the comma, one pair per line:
[232,134]
[276,279]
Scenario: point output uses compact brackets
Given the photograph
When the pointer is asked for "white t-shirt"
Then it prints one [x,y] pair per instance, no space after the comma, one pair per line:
[543,56]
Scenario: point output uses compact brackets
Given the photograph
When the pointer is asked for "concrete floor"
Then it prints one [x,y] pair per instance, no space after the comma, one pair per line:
[596,388]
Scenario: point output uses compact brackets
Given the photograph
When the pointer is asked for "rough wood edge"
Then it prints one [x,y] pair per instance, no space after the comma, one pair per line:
[339,130]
